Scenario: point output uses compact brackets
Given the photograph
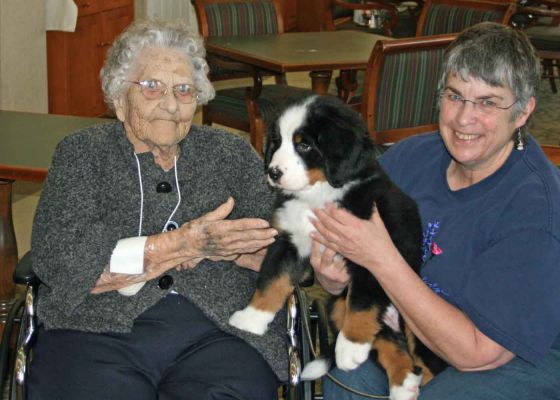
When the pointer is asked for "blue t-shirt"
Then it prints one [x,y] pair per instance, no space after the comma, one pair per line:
[492,249]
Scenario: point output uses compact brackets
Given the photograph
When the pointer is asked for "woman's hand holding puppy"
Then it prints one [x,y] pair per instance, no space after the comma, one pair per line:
[364,242]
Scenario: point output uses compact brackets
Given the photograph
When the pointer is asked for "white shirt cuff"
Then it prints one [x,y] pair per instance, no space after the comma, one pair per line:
[128,256]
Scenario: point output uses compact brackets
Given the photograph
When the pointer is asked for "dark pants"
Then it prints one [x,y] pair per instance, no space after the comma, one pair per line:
[173,352]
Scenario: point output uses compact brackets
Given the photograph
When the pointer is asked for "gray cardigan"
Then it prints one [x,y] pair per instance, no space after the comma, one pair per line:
[91,199]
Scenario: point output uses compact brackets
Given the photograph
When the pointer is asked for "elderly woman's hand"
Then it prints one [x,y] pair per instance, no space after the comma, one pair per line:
[330,269]
[211,236]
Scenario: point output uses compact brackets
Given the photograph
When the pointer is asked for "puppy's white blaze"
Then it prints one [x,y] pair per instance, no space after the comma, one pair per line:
[391,318]
[350,355]
[251,320]
[293,216]
[285,158]
[409,390]
[315,369]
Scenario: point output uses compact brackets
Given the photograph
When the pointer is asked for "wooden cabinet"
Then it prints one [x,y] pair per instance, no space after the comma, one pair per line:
[74,59]
[289,14]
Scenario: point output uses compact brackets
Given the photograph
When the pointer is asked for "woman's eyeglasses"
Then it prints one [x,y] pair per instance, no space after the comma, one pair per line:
[153,89]
[484,106]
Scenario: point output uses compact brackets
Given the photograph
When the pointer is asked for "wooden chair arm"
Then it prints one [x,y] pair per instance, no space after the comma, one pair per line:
[538,11]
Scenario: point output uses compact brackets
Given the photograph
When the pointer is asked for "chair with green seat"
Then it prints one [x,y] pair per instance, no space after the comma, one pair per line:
[245,108]
[452,16]
[399,96]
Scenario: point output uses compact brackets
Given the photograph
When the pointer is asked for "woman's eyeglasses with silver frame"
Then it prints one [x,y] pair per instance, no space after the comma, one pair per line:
[484,106]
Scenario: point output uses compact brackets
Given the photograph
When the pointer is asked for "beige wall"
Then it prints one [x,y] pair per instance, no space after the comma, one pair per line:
[23,53]
[23,59]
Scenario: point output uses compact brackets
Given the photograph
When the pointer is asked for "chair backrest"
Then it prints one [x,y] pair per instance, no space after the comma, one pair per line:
[452,16]
[400,89]
[236,18]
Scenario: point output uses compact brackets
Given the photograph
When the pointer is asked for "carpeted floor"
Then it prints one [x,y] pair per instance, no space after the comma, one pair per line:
[545,125]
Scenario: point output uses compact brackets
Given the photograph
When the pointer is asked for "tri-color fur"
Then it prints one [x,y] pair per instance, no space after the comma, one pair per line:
[319,151]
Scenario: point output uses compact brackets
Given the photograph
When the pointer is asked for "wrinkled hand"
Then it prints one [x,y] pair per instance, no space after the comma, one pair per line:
[251,260]
[211,236]
[330,269]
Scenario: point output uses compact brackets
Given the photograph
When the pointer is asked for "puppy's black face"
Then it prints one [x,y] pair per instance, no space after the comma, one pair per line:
[319,139]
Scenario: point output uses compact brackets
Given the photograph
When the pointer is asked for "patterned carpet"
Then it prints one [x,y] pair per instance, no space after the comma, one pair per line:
[546,119]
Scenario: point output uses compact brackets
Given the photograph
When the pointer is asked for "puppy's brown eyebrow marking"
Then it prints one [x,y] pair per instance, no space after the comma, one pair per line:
[298,138]
[316,175]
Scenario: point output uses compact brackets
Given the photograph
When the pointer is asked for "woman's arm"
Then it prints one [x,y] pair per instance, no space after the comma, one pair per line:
[210,236]
[442,327]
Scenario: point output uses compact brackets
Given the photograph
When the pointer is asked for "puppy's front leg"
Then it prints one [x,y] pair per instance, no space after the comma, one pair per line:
[404,377]
[278,273]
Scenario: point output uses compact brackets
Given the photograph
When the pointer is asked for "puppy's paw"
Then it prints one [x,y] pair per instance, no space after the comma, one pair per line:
[349,355]
[410,388]
[251,320]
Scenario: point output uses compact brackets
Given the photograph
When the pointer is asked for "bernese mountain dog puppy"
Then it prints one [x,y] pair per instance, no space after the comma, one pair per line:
[319,151]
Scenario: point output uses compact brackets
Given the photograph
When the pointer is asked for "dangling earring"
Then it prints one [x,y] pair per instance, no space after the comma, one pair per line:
[519,140]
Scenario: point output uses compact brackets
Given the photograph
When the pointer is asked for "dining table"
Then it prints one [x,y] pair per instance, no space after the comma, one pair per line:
[27,143]
[319,53]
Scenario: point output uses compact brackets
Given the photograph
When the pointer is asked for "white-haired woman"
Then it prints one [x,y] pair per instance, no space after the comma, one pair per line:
[139,236]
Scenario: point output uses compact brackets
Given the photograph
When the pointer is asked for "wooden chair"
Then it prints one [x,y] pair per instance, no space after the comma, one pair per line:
[452,16]
[243,108]
[552,152]
[540,20]
[400,91]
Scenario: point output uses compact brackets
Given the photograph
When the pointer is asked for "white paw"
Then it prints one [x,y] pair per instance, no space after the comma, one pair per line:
[315,369]
[251,320]
[349,355]
[409,390]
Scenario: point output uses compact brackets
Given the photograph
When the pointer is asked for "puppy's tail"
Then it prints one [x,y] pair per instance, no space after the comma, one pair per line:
[316,369]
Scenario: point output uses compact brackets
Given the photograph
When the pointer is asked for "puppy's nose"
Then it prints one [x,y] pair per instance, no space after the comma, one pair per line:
[275,174]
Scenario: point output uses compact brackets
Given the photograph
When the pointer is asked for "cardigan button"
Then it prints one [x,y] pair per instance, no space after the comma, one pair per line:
[163,187]
[165,282]
[171,226]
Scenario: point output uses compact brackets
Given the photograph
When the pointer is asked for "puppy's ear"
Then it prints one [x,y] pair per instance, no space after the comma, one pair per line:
[345,145]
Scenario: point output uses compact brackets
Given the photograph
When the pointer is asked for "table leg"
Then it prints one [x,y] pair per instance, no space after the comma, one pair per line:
[8,249]
[320,81]
[347,84]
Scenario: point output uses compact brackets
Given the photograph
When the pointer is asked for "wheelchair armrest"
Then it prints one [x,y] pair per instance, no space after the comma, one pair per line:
[23,274]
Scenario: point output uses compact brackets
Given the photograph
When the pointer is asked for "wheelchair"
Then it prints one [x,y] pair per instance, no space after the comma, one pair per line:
[306,328]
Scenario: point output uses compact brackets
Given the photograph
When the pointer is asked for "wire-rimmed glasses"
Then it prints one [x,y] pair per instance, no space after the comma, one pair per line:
[152,89]
[484,105]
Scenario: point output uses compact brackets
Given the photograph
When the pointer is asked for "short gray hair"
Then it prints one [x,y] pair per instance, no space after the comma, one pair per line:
[499,55]
[148,34]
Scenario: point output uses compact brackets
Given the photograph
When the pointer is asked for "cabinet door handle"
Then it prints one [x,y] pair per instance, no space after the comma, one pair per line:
[103,44]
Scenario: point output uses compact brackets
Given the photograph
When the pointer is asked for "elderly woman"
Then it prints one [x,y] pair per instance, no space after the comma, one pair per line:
[139,238]
[487,301]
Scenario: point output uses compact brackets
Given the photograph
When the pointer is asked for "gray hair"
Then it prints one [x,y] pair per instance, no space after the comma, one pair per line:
[498,55]
[151,34]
